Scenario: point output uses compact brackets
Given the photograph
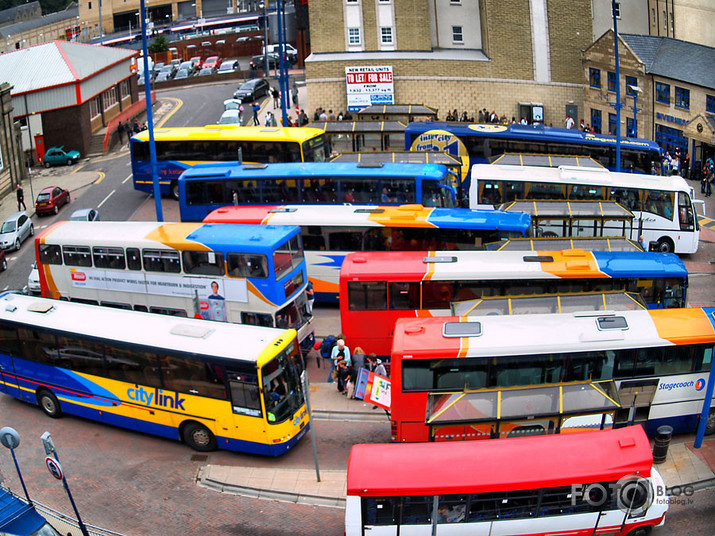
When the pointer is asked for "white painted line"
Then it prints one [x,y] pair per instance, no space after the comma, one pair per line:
[106,198]
[125,180]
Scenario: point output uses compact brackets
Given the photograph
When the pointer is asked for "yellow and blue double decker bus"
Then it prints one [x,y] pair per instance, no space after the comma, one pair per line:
[177,149]
[210,384]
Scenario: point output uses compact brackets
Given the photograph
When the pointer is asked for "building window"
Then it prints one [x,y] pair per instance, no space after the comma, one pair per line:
[594,77]
[653,13]
[710,104]
[662,92]
[617,9]
[612,124]
[682,98]
[455,1]
[89,5]
[386,35]
[354,36]
[109,98]
[670,138]
[630,127]
[94,107]
[665,20]
[631,81]
[124,89]
[351,1]
[611,81]
[596,120]
[457,35]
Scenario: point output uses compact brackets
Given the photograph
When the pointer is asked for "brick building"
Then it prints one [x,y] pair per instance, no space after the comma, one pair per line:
[676,91]
[503,55]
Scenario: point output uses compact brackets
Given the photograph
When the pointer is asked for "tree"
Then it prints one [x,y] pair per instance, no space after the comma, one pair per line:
[159,44]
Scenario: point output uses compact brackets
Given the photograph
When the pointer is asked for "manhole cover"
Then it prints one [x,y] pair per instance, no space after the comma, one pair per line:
[199,458]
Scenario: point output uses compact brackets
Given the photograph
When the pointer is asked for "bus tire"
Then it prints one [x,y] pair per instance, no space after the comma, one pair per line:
[710,423]
[174,188]
[198,437]
[49,404]
[665,245]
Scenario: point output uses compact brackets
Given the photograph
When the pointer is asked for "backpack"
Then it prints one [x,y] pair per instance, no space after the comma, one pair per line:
[326,347]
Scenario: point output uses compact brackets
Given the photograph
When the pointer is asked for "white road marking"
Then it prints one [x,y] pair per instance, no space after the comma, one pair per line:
[125,180]
[106,198]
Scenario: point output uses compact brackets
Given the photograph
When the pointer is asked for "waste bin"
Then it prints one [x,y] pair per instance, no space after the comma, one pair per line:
[662,441]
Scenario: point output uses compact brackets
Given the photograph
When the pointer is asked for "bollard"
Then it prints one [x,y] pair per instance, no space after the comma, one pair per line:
[662,442]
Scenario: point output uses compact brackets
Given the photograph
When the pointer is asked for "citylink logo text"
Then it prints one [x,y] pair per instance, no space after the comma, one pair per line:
[156,398]
[675,385]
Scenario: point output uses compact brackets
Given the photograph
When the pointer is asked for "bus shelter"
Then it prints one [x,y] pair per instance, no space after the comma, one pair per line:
[407,113]
[558,408]
[563,303]
[545,160]
[559,218]
[557,244]
[358,136]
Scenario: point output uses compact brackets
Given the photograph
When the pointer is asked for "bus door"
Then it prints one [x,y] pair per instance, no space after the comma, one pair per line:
[636,398]
[245,395]
[7,371]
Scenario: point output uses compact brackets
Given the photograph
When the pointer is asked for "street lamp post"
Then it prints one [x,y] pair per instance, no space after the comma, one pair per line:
[635,90]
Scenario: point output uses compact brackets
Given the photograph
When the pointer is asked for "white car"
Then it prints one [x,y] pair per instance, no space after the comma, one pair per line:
[33,280]
[230,117]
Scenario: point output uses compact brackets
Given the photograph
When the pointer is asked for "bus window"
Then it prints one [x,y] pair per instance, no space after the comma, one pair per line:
[187,375]
[347,240]
[686,215]
[50,254]
[160,260]
[660,203]
[367,296]
[513,191]
[626,197]
[247,265]
[202,262]
[133,259]
[38,346]
[404,296]
[169,311]
[124,364]
[490,193]
[77,256]
[81,355]
[105,257]
[257,319]
[544,190]
[245,394]
[586,192]
[381,510]
[416,510]
[451,508]
[437,294]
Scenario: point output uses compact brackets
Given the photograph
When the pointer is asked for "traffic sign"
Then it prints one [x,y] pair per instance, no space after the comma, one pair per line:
[54,467]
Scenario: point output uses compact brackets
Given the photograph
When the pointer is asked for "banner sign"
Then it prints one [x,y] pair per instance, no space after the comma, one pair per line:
[369,85]
[378,391]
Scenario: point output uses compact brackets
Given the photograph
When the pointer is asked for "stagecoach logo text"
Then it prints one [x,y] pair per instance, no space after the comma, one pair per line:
[679,385]
[156,398]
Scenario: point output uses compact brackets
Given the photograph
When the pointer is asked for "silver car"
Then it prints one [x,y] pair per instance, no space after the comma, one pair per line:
[15,230]
[33,280]
[85,214]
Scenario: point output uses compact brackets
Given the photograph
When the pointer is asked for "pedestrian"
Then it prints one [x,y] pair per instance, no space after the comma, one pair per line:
[256,109]
[294,94]
[323,115]
[375,365]
[276,98]
[136,128]
[120,132]
[331,116]
[569,122]
[269,118]
[340,352]
[240,114]
[20,198]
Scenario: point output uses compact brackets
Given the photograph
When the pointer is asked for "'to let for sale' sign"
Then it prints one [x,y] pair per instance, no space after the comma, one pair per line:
[369,85]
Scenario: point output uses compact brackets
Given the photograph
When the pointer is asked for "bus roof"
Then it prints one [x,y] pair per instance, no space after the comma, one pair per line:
[419,157]
[578,175]
[181,236]
[498,265]
[307,170]
[373,216]
[549,333]
[230,132]
[194,336]
[497,465]
[529,132]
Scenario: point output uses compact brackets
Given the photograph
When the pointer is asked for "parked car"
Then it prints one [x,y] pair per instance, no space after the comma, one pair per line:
[163,77]
[58,155]
[230,117]
[258,62]
[157,68]
[181,74]
[252,89]
[290,51]
[140,80]
[175,62]
[228,66]
[51,199]
[189,66]
[15,230]
[198,62]
[170,69]
[3,260]
[231,104]
[33,280]
[212,61]
[85,214]
[207,71]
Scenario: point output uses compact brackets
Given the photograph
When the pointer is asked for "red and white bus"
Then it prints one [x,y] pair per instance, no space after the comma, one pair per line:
[590,483]
[377,288]
[486,377]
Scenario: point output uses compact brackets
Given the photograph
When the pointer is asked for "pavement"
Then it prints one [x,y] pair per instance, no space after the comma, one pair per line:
[683,466]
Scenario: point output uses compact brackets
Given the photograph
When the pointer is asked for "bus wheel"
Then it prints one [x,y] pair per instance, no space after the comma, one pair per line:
[665,245]
[49,403]
[198,437]
[710,424]
[175,190]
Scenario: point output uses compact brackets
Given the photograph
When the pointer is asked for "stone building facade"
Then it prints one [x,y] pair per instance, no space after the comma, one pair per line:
[503,55]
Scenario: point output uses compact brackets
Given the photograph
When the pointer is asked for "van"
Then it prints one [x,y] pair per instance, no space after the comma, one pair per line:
[291,51]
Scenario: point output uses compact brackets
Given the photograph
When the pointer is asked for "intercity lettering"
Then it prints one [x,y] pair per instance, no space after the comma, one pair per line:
[156,398]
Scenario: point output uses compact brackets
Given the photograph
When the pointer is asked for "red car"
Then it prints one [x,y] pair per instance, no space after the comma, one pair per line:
[51,199]
[197,61]
[213,61]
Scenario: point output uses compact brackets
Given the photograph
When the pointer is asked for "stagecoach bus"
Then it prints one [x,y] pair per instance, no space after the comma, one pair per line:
[377,288]
[331,232]
[589,483]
